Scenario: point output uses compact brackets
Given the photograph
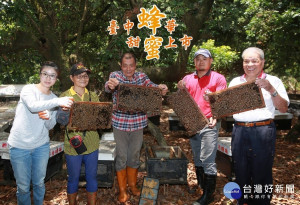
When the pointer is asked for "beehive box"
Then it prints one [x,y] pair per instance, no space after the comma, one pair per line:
[174,122]
[54,166]
[224,157]
[105,174]
[149,191]
[139,98]
[236,99]
[283,121]
[91,115]
[168,164]
[188,112]
[107,136]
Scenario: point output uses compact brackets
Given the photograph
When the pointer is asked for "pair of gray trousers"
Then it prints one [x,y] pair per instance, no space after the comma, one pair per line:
[128,148]
[204,147]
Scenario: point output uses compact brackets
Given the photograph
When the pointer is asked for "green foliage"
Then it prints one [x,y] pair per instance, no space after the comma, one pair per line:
[223,58]
[55,30]
[274,26]
[19,68]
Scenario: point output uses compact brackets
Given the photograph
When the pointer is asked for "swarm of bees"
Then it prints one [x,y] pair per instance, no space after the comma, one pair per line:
[187,111]
[139,98]
[91,115]
[236,99]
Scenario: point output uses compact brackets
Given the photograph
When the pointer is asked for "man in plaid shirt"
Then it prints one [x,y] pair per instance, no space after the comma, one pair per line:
[128,126]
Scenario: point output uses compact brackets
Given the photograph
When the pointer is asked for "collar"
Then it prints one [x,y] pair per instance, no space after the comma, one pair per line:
[73,92]
[133,76]
[262,75]
[206,74]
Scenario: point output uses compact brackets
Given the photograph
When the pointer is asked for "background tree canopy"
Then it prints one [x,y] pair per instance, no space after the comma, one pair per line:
[67,32]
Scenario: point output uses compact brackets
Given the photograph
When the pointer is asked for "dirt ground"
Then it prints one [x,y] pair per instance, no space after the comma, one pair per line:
[285,171]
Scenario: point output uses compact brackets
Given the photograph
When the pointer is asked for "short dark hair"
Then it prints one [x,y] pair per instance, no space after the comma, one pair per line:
[128,55]
[49,64]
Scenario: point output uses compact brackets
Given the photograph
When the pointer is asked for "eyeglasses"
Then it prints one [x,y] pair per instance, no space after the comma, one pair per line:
[82,77]
[253,61]
[46,75]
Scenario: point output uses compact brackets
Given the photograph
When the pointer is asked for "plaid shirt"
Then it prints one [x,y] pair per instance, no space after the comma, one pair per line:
[128,121]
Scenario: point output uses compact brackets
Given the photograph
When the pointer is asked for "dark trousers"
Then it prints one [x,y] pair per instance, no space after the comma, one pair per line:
[253,151]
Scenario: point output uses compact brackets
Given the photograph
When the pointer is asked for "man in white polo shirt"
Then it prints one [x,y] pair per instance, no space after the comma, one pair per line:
[254,132]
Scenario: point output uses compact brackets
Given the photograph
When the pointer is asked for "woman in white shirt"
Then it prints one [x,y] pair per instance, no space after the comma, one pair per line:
[29,137]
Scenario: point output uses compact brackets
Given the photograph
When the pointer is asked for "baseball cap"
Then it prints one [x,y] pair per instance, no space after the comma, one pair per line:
[204,52]
[76,69]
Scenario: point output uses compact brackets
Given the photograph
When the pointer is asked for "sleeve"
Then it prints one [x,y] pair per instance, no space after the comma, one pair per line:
[279,87]
[221,83]
[147,81]
[62,117]
[49,124]
[233,82]
[186,79]
[27,97]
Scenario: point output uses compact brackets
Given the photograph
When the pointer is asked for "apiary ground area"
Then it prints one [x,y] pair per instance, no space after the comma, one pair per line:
[285,171]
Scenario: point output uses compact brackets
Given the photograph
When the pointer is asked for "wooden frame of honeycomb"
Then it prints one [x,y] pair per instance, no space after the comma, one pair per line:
[187,111]
[139,98]
[90,115]
[236,99]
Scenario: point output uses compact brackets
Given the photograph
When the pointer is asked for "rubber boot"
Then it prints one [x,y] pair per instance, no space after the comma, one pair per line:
[72,198]
[208,190]
[132,178]
[200,176]
[122,181]
[91,198]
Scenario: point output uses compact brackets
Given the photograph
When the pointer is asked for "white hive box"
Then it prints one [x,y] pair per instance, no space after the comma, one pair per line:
[108,136]
[54,163]
[107,150]
[224,157]
[55,148]
[11,90]
[224,145]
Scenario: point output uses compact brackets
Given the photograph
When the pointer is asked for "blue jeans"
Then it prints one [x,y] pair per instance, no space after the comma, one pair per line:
[204,147]
[74,166]
[30,165]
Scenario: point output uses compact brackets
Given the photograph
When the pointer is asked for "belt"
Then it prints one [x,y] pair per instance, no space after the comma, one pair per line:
[253,124]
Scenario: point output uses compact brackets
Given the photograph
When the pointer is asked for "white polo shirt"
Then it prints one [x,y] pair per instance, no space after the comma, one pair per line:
[261,113]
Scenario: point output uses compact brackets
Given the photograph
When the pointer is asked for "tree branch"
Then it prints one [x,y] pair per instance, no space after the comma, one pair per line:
[23,40]
[82,20]
[31,20]
[92,27]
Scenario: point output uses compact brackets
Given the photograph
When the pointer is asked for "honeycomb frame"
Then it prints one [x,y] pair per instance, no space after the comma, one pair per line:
[236,99]
[90,115]
[134,98]
[188,111]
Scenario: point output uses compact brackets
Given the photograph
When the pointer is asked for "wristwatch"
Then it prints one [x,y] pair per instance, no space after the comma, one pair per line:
[275,93]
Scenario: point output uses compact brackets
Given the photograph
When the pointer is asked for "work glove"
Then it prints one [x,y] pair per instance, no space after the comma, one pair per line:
[45,115]
[65,102]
